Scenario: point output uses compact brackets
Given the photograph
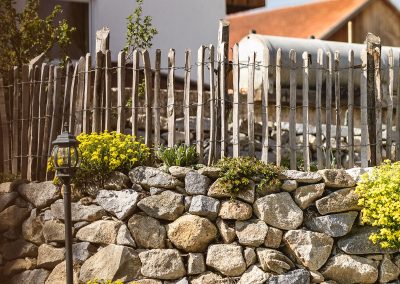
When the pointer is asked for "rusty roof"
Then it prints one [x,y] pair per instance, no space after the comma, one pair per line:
[318,19]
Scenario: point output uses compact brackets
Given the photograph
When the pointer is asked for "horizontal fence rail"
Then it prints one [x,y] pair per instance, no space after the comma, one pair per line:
[299,124]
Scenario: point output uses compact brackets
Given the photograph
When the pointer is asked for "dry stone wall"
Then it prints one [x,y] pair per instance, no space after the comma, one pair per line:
[180,227]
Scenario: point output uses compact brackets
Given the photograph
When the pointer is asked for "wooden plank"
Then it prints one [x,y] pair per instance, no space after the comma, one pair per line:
[67,93]
[372,42]
[103,40]
[24,122]
[72,100]
[278,91]
[337,112]
[250,103]
[134,96]
[223,98]
[96,119]
[16,151]
[306,144]
[236,100]
[42,112]
[364,110]
[200,105]
[108,75]
[80,96]
[378,104]
[389,117]
[398,117]
[56,125]
[350,110]
[318,100]
[5,129]
[171,98]
[33,130]
[292,112]
[264,106]
[156,101]
[148,138]
[213,108]
[47,125]
[186,97]
[328,150]
[121,92]
[87,96]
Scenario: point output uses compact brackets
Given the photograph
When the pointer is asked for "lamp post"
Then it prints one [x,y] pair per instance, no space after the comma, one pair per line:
[66,161]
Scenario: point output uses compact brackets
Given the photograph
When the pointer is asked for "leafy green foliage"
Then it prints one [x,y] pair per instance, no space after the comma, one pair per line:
[103,153]
[236,173]
[179,155]
[140,31]
[25,35]
[379,194]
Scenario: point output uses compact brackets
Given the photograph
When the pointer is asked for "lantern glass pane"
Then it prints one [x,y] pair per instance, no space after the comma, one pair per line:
[63,156]
[74,157]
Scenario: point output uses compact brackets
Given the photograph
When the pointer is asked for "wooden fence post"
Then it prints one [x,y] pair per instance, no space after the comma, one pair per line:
[25,120]
[200,105]
[318,103]
[378,103]
[250,103]
[87,97]
[372,43]
[67,93]
[148,99]
[171,98]
[134,96]
[278,91]
[264,106]
[306,144]
[108,77]
[236,99]
[80,97]
[16,150]
[292,112]
[5,129]
[350,113]
[223,97]
[72,100]
[121,92]
[398,119]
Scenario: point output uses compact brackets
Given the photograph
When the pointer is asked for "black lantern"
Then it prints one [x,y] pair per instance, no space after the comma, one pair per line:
[66,162]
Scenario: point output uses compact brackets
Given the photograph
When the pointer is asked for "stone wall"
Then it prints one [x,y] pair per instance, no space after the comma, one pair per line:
[179,227]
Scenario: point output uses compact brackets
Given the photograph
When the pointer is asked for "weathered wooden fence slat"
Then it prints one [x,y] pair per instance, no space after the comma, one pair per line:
[24,120]
[306,144]
[87,96]
[5,129]
[134,95]
[328,150]
[389,99]
[72,100]
[156,101]
[200,104]
[213,108]
[67,93]
[223,99]
[236,100]
[80,96]
[350,112]
[292,112]
[278,106]
[186,97]
[121,92]
[16,147]
[338,153]
[108,75]
[398,118]
[171,98]
[264,107]
[378,104]
[364,111]
[250,103]
[96,119]
[148,97]
[318,104]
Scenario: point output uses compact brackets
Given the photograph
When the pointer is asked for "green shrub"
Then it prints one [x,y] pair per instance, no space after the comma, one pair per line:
[103,153]
[236,173]
[179,155]
[379,194]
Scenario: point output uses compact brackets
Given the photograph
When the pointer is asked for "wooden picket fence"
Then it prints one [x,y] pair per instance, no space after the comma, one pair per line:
[38,100]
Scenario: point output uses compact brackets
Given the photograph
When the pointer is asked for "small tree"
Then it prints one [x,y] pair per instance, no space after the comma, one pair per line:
[25,35]
[140,31]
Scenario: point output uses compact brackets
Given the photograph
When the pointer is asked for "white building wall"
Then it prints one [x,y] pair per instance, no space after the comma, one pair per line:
[181,24]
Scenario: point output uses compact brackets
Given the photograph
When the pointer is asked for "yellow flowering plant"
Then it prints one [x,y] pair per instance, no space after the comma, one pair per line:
[105,152]
[379,194]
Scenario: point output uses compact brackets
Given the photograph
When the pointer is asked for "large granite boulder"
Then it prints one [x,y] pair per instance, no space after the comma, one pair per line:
[119,203]
[251,232]
[334,225]
[79,211]
[235,210]
[147,232]
[100,232]
[162,264]
[40,194]
[274,261]
[152,177]
[341,200]
[227,259]
[337,178]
